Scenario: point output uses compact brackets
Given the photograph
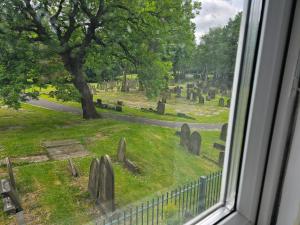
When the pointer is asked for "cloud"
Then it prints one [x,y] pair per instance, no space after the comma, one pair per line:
[215,13]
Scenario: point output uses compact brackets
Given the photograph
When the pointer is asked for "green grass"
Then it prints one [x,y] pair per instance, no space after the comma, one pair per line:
[210,112]
[51,196]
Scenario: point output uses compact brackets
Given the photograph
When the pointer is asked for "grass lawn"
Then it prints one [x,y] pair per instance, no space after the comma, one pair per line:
[210,112]
[51,196]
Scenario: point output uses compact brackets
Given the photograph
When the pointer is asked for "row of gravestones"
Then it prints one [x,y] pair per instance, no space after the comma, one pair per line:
[117,107]
[101,184]
[222,102]
[192,142]
[10,196]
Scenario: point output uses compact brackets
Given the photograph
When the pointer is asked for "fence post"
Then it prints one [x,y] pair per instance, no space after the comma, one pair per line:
[202,195]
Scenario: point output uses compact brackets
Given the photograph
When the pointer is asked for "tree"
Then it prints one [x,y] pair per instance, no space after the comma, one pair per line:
[70,30]
[216,53]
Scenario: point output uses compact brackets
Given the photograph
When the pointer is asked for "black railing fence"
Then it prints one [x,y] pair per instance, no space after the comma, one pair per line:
[174,207]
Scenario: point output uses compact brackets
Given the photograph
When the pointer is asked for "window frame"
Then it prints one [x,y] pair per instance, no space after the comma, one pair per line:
[243,207]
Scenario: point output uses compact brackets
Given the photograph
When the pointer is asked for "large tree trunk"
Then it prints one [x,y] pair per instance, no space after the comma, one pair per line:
[75,68]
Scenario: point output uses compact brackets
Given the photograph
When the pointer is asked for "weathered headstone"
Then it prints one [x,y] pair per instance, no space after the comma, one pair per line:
[161,108]
[119,108]
[93,186]
[122,150]
[195,95]
[178,92]
[12,203]
[223,134]
[212,94]
[120,103]
[228,103]
[208,98]
[131,166]
[201,99]
[188,94]
[221,102]
[72,168]
[185,135]
[99,102]
[221,158]
[10,173]
[195,143]
[106,196]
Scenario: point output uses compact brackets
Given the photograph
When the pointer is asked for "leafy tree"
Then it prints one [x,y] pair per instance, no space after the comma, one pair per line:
[68,32]
[216,53]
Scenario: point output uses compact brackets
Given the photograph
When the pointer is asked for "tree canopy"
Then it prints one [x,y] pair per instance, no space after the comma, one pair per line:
[57,41]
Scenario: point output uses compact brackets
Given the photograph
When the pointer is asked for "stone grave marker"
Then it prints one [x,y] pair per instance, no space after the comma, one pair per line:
[185,135]
[219,146]
[72,168]
[12,203]
[64,149]
[131,166]
[201,99]
[161,108]
[221,102]
[195,143]
[93,185]
[228,103]
[10,173]
[122,150]
[221,158]
[178,92]
[195,95]
[208,98]
[223,134]
[106,194]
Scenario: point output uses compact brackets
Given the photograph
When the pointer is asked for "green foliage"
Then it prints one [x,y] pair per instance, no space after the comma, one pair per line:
[216,53]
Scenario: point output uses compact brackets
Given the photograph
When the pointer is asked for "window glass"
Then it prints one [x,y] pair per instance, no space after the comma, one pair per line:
[114,112]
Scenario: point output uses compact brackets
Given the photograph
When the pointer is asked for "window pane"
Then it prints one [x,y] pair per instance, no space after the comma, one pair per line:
[115,112]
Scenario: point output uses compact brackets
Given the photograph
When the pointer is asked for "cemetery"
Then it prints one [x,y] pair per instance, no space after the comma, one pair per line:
[54,154]
[111,112]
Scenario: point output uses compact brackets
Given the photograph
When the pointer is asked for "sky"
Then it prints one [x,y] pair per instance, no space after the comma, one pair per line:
[215,13]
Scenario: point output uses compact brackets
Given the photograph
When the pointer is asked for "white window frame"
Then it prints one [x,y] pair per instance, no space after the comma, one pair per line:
[250,205]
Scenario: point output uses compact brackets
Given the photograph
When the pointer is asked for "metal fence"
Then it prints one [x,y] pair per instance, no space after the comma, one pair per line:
[171,208]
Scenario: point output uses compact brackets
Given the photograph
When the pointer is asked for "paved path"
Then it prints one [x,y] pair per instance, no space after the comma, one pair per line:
[171,124]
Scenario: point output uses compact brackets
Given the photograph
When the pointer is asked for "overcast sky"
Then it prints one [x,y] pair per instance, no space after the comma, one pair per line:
[215,13]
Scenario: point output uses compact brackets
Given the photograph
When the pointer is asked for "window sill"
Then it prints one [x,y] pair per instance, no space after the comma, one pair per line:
[220,216]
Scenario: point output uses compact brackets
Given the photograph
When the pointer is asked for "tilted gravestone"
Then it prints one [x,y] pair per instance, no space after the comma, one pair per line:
[131,166]
[185,135]
[221,102]
[10,173]
[223,134]
[11,200]
[93,186]
[195,143]
[161,108]
[122,150]
[201,99]
[106,195]
[195,96]
[72,168]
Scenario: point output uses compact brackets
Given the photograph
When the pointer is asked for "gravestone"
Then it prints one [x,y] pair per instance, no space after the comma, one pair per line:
[164,98]
[106,194]
[12,203]
[221,158]
[185,135]
[119,108]
[99,102]
[201,99]
[120,103]
[228,103]
[131,166]
[178,92]
[221,102]
[188,94]
[219,146]
[195,143]
[72,168]
[208,98]
[122,150]
[10,173]
[223,134]
[93,186]
[161,108]
[212,94]
[195,95]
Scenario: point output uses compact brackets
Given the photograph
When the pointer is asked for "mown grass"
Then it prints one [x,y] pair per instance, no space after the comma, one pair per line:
[51,196]
[210,112]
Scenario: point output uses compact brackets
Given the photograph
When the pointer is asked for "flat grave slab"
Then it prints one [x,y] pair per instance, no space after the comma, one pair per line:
[64,149]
